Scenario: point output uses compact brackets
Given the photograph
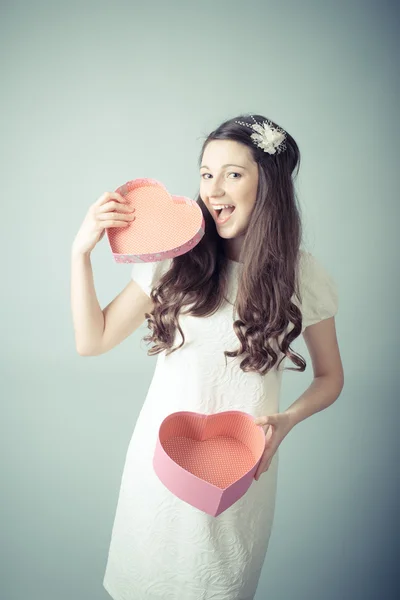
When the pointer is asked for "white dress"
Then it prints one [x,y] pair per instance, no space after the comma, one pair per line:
[161,547]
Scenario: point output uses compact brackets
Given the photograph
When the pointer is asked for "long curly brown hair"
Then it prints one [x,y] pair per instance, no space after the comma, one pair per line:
[270,257]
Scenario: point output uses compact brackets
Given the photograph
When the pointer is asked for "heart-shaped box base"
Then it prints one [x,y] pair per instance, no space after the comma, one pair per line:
[165,226]
[208,461]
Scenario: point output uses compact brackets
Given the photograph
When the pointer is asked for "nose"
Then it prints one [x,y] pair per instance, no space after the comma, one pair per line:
[215,190]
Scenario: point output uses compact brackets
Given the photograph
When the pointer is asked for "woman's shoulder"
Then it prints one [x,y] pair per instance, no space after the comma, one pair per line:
[318,289]
[147,274]
[310,266]
[305,257]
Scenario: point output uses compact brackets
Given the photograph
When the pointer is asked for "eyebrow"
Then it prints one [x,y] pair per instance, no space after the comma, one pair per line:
[229,165]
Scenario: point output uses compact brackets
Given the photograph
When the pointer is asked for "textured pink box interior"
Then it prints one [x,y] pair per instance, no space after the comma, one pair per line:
[214,456]
[164,224]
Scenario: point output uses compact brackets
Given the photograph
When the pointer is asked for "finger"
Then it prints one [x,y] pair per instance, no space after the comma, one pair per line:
[118,197]
[268,419]
[261,468]
[258,474]
[268,435]
[111,224]
[120,202]
[107,196]
[114,205]
[261,421]
[115,216]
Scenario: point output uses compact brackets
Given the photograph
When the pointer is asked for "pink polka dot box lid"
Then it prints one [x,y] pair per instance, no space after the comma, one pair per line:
[165,226]
[208,461]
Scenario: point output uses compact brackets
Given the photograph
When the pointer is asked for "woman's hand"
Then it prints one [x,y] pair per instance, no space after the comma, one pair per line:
[110,210]
[276,428]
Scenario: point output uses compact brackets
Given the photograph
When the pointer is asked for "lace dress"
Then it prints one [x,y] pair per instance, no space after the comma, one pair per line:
[162,547]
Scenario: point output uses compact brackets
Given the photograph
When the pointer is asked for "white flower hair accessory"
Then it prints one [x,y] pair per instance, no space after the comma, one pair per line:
[267,136]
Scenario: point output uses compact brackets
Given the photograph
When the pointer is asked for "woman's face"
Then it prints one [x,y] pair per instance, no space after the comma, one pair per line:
[229,175]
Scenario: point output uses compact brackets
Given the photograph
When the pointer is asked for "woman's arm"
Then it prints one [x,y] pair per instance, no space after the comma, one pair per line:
[328,382]
[87,316]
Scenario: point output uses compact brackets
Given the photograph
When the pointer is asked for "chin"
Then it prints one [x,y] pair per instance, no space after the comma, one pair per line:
[230,235]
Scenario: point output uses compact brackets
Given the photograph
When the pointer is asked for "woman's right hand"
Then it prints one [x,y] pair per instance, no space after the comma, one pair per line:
[110,210]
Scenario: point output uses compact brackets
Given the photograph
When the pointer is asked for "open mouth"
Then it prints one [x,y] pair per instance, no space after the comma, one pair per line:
[223,214]
[225,211]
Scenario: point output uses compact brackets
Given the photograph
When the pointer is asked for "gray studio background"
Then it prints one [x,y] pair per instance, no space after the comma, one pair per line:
[97,93]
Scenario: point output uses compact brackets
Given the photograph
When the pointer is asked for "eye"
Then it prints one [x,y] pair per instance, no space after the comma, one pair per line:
[231,173]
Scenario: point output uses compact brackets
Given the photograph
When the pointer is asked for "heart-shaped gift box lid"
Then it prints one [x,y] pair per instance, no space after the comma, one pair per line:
[165,226]
[208,460]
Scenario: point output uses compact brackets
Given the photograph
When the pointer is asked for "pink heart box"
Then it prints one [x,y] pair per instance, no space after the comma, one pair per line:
[208,461]
[165,226]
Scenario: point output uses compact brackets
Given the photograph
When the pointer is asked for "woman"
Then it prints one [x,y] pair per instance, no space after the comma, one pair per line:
[245,292]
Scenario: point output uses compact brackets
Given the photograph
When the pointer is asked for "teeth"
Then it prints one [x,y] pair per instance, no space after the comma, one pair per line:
[218,206]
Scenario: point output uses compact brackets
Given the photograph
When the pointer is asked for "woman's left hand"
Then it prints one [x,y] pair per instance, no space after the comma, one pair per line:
[276,428]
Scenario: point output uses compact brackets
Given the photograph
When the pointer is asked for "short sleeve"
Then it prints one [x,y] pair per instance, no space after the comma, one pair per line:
[319,291]
[147,274]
